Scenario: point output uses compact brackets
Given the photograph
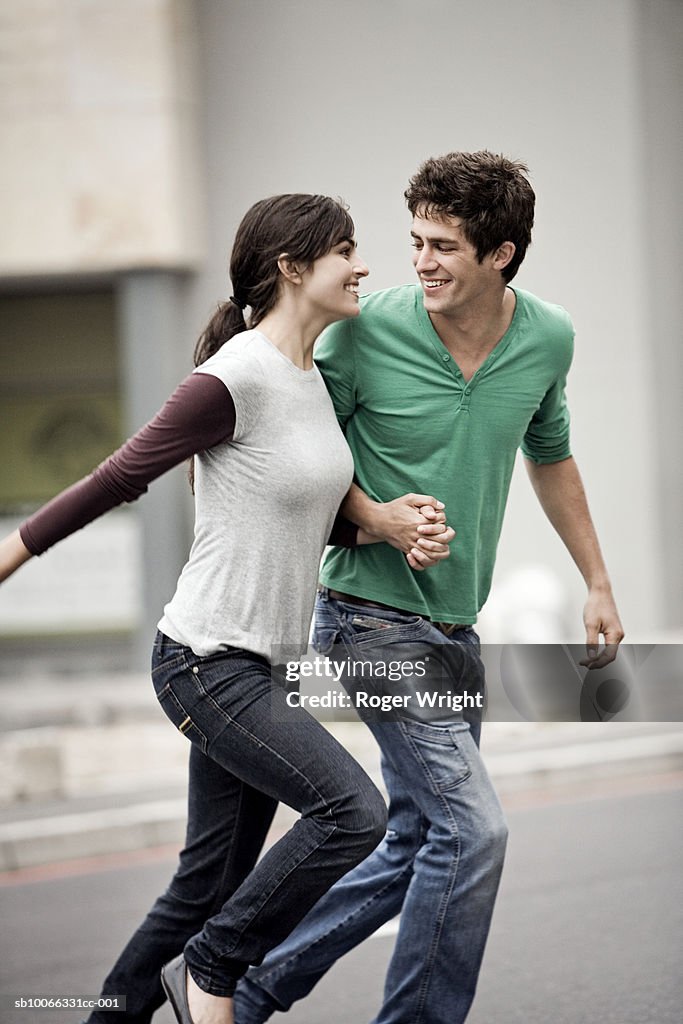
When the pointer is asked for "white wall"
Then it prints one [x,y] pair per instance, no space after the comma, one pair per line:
[348,97]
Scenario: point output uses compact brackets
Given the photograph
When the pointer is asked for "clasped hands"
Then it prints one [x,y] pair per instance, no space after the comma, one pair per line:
[416,525]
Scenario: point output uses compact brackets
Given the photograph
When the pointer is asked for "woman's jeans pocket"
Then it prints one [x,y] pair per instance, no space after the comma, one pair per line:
[177,688]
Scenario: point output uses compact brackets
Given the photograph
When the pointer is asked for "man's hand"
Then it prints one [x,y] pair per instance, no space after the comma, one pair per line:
[414,524]
[417,520]
[433,544]
[396,522]
[601,618]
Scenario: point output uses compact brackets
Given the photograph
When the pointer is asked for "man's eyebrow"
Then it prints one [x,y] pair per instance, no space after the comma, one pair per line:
[431,238]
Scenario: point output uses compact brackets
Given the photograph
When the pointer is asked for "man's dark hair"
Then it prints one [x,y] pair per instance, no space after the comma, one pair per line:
[489,193]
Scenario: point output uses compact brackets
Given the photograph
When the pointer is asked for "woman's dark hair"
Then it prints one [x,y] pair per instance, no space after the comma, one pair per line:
[489,193]
[303,226]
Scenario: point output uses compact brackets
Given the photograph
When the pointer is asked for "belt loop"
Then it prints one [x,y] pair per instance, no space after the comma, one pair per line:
[324,592]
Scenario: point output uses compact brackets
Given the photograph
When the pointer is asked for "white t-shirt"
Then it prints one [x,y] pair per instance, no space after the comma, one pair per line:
[265,503]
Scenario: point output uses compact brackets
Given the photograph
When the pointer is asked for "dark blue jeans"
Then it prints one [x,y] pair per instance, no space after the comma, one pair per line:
[249,750]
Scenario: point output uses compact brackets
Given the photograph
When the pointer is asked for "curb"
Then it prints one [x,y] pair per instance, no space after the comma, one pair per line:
[140,825]
[573,761]
[26,844]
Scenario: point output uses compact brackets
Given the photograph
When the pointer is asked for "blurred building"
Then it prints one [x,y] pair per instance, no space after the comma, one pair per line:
[135,133]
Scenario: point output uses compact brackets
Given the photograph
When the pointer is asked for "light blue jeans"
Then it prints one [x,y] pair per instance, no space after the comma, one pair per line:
[439,864]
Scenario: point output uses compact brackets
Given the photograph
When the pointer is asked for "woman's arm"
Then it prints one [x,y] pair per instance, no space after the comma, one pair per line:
[345,534]
[199,414]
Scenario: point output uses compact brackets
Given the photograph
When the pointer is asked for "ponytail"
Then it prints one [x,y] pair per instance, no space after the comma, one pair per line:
[227,321]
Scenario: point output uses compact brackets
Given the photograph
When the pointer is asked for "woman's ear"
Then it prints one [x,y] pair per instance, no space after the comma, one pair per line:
[289,268]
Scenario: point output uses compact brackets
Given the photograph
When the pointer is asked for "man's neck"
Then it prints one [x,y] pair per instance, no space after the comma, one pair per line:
[471,334]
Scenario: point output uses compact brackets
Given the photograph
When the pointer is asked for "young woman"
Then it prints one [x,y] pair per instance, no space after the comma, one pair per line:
[271,467]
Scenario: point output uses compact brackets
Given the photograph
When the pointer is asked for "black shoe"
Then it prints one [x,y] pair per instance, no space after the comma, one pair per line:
[174,981]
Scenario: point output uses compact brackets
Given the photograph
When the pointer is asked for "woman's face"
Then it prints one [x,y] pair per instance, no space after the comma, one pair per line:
[331,283]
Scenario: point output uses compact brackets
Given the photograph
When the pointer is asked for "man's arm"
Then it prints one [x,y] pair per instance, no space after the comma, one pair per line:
[560,491]
[414,524]
[410,523]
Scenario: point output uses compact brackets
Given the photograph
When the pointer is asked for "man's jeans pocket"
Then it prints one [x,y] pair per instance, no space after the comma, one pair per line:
[326,628]
[439,751]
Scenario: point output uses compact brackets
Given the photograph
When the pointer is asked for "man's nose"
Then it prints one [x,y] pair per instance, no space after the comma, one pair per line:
[424,259]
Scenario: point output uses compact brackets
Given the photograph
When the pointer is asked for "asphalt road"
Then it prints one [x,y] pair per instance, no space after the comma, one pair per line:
[587,928]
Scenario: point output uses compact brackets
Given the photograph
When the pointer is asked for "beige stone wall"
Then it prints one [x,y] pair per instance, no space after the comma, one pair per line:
[99,167]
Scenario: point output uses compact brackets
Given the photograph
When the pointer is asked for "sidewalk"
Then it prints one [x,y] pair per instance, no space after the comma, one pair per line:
[91,767]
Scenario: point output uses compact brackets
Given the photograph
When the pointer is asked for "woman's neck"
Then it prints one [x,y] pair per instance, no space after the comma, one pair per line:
[292,333]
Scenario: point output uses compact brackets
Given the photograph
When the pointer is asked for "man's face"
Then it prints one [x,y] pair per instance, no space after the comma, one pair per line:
[447,266]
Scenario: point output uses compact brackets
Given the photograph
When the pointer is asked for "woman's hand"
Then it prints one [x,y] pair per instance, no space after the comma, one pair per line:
[13,553]
[433,544]
[414,524]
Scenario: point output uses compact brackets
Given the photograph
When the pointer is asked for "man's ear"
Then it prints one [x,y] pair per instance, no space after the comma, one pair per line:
[289,269]
[503,255]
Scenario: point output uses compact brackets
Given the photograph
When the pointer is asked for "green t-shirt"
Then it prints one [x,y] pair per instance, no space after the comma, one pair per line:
[414,424]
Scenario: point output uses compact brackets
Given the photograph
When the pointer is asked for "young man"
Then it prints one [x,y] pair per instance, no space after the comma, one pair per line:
[437,385]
